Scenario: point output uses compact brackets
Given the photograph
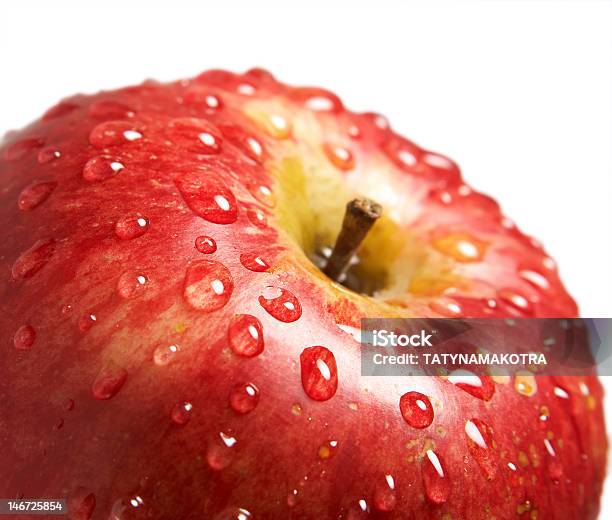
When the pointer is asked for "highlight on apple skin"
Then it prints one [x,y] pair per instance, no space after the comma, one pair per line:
[173,350]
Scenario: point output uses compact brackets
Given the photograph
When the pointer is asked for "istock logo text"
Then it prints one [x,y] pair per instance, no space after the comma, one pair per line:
[385,338]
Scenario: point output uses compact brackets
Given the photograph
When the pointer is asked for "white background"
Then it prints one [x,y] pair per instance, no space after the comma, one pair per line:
[518,92]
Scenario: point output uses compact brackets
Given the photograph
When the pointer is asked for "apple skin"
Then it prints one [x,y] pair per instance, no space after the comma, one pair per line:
[110,327]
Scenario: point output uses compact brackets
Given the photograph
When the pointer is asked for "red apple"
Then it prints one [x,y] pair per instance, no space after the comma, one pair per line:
[164,321]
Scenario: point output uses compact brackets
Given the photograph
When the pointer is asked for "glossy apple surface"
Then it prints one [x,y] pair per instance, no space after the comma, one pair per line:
[171,350]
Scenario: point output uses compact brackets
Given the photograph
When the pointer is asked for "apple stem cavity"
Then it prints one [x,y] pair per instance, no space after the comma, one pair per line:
[359,217]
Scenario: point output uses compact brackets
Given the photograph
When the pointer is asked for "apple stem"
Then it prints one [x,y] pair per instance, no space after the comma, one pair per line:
[359,217]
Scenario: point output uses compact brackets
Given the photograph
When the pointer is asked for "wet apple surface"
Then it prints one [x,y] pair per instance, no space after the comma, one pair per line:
[172,348]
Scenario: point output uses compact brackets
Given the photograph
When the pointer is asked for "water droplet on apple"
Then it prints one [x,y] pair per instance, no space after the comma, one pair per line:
[319,373]
[255,148]
[475,435]
[516,300]
[384,494]
[543,417]
[281,304]
[245,335]
[404,157]
[465,378]
[48,154]
[461,246]
[354,131]
[555,468]
[131,284]
[200,97]
[525,383]
[109,109]
[438,161]
[479,441]
[219,453]
[464,190]
[274,124]
[112,133]
[233,513]
[480,387]
[136,501]
[549,263]
[208,285]
[109,381]
[165,354]
[86,322]
[254,262]
[69,405]
[129,509]
[443,196]
[257,217]
[435,479]
[205,244]
[339,156]
[34,195]
[24,337]
[207,197]
[244,398]
[33,259]
[446,307]
[246,143]
[101,168]
[19,149]
[181,412]
[327,450]
[195,135]
[246,89]
[262,193]
[317,99]
[538,280]
[131,226]
[353,332]
[416,409]
[212,101]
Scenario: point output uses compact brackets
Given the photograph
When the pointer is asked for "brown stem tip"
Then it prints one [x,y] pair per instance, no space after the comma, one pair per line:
[359,218]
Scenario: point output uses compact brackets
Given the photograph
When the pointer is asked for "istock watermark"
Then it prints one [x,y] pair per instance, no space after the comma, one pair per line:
[386,338]
[496,347]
